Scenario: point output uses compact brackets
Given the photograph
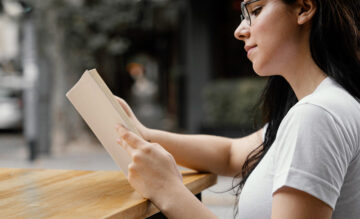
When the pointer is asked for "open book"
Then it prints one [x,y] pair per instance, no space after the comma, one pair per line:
[98,107]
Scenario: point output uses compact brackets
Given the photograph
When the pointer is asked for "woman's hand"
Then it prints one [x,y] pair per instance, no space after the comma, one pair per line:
[144,131]
[153,171]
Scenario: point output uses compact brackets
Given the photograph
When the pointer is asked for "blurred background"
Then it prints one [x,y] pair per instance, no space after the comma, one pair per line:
[176,62]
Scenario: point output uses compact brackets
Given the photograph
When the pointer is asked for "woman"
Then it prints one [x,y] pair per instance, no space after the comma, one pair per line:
[305,162]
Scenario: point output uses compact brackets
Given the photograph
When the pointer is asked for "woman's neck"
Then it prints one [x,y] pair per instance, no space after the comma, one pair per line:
[305,77]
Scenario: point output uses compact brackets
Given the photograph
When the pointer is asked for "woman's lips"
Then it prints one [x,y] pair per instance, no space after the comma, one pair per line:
[250,50]
[248,47]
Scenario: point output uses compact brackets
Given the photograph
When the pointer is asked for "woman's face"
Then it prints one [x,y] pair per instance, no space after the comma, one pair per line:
[273,40]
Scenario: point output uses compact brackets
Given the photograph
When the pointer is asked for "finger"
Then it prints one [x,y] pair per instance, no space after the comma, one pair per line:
[125,146]
[125,106]
[130,138]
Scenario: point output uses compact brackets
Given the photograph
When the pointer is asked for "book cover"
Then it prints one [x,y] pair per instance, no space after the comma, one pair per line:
[98,107]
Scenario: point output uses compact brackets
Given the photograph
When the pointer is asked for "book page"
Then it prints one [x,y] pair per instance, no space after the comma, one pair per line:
[97,106]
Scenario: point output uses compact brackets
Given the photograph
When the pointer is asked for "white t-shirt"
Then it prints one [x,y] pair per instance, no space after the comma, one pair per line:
[316,150]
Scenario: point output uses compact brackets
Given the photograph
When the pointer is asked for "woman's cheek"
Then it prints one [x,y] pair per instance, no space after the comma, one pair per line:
[261,56]
[261,59]
[272,50]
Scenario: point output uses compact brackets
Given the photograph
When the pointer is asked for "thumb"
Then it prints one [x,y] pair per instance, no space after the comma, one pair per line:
[140,127]
[125,106]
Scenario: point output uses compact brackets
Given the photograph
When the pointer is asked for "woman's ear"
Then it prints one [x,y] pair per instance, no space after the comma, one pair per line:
[306,11]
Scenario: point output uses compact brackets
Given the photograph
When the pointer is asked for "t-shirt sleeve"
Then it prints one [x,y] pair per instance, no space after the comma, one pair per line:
[311,154]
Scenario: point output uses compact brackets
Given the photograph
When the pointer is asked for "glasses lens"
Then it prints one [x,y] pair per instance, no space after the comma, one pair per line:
[241,18]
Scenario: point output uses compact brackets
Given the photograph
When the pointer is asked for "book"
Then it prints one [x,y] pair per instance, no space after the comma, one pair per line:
[96,104]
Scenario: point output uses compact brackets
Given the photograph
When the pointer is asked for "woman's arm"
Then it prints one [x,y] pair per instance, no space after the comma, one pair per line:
[220,155]
[185,206]
[195,151]
[291,203]
[153,173]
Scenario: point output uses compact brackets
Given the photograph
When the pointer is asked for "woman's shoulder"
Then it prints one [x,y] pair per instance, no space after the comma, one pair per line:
[329,109]
[333,99]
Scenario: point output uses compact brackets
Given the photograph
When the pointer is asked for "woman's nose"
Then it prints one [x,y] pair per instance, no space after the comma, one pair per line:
[242,31]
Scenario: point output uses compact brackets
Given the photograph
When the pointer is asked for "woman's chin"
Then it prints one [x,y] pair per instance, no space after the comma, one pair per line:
[261,72]
[262,75]
[262,69]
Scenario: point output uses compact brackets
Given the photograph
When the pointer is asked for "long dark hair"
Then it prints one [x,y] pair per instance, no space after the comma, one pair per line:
[334,44]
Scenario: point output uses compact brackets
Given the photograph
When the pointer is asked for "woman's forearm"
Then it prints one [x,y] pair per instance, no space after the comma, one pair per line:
[199,152]
[185,206]
[153,173]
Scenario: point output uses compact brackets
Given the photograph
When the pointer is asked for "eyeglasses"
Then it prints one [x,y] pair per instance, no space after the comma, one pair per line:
[245,12]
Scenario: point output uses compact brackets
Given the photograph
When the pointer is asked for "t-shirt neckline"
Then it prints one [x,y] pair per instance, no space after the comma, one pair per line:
[324,83]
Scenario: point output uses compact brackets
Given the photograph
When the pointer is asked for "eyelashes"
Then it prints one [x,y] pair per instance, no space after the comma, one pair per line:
[256,11]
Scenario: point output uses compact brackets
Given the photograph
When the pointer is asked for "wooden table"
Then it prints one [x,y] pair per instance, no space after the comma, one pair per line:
[34,193]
